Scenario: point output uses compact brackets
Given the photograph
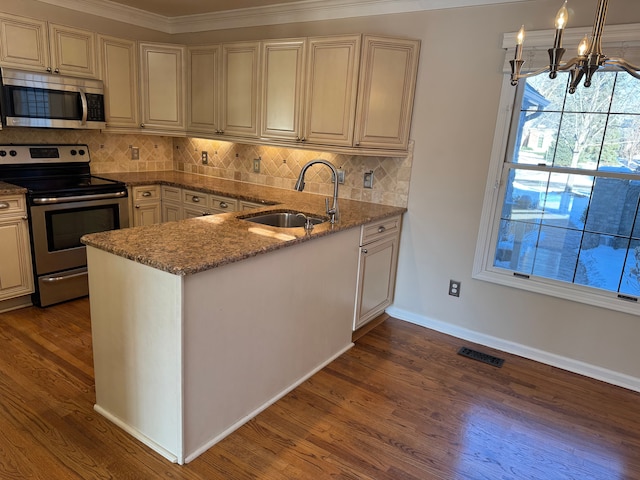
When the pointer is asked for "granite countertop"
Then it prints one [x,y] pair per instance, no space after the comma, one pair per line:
[9,189]
[194,245]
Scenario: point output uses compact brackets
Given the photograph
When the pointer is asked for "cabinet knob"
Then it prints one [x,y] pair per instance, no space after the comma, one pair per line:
[146,194]
[224,205]
[49,69]
[364,250]
[57,70]
[142,125]
[381,228]
[137,206]
[25,217]
[195,199]
[357,144]
[4,205]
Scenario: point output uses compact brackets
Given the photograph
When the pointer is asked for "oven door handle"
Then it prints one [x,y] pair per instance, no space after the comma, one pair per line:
[77,198]
[85,107]
[63,277]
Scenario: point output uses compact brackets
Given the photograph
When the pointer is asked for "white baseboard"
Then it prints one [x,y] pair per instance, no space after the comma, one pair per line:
[575,366]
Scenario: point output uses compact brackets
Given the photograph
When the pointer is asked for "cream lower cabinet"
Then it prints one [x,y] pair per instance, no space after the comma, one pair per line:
[376,269]
[29,43]
[146,207]
[162,87]
[16,275]
[172,209]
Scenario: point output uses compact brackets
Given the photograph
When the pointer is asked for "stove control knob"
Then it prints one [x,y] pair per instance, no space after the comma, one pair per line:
[3,153]
[13,153]
[73,152]
[81,152]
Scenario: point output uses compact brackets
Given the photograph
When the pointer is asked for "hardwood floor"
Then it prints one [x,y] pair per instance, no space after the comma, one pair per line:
[400,405]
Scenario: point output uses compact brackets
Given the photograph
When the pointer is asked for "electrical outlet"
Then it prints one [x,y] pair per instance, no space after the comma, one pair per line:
[205,157]
[256,165]
[340,177]
[454,288]
[368,179]
[135,153]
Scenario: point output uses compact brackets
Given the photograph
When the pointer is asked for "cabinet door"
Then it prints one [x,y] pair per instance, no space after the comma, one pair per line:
[162,81]
[385,93]
[171,212]
[282,89]
[240,81]
[16,277]
[332,79]
[204,89]
[23,43]
[376,279]
[146,213]
[119,72]
[73,51]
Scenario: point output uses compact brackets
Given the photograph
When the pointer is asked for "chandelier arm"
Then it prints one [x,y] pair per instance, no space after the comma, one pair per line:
[633,70]
[572,63]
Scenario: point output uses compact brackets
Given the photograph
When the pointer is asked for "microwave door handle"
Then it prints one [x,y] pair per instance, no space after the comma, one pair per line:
[85,108]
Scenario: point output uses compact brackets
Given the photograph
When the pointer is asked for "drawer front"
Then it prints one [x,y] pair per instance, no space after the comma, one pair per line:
[190,197]
[223,204]
[171,194]
[146,192]
[382,228]
[12,205]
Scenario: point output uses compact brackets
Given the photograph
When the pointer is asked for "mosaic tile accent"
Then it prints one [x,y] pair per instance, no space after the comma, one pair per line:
[279,167]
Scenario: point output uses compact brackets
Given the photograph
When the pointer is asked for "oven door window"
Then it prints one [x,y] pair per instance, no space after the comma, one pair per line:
[65,227]
[29,102]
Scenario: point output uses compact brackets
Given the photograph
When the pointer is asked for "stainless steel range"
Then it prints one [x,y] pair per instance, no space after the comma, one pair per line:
[65,202]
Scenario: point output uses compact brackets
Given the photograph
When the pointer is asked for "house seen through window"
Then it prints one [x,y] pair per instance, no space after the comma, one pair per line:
[568,206]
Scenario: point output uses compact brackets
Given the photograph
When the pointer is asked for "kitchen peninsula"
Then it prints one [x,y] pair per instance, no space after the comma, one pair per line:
[200,324]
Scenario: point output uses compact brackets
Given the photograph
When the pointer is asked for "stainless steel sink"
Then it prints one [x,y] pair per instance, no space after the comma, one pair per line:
[282,219]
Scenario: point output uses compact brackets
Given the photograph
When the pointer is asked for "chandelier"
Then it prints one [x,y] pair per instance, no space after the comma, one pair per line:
[588,61]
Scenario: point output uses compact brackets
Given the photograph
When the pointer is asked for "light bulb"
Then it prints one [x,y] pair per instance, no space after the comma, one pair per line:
[584,45]
[520,36]
[562,17]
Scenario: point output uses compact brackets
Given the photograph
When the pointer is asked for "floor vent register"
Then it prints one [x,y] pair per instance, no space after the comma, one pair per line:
[481,357]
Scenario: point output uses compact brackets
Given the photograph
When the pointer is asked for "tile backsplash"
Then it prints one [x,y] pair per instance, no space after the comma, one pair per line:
[279,167]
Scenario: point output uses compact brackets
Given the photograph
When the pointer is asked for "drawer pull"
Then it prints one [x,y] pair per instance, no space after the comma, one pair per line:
[4,205]
[146,194]
[224,205]
[195,199]
[381,228]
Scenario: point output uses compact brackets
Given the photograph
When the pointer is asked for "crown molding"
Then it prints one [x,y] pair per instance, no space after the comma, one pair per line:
[303,11]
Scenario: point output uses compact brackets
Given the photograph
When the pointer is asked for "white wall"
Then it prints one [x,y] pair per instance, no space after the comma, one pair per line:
[455,112]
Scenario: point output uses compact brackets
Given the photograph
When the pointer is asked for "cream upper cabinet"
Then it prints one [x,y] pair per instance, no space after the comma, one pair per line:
[332,80]
[119,72]
[16,277]
[204,65]
[240,89]
[35,44]
[385,93]
[283,67]
[162,87]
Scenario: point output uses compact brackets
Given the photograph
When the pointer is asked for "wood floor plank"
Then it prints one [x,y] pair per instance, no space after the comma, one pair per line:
[400,405]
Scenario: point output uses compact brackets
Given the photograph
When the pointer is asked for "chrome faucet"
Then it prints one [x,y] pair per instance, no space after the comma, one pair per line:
[333,212]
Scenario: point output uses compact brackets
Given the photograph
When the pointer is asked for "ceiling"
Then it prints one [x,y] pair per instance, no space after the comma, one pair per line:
[183,16]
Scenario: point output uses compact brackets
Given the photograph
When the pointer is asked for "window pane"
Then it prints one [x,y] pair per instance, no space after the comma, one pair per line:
[516,246]
[557,253]
[566,200]
[580,140]
[613,208]
[630,283]
[542,94]
[621,149]
[523,198]
[536,141]
[626,97]
[596,98]
[601,260]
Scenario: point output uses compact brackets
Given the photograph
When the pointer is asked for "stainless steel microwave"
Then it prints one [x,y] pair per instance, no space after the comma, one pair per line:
[33,99]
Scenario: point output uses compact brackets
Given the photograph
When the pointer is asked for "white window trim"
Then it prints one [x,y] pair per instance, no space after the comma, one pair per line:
[483,268]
